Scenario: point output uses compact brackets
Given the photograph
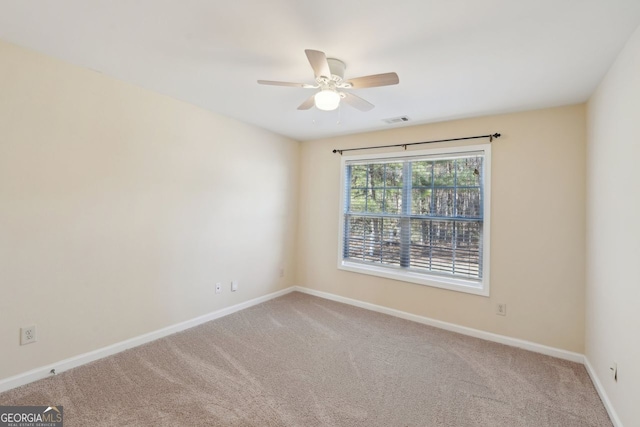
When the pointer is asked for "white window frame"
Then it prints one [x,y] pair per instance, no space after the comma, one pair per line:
[427,278]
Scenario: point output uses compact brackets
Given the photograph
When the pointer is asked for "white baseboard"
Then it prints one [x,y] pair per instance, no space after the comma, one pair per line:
[514,342]
[603,395]
[64,365]
[489,336]
[72,362]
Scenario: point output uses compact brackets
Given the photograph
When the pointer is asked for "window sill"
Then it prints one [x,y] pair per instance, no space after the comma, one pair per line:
[449,283]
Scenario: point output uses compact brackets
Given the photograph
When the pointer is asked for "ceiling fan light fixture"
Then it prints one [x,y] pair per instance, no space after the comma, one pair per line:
[327,100]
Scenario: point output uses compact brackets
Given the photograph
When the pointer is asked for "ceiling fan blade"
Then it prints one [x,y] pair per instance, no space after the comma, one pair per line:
[310,102]
[375,80]
[357,102]
[318,61]
[272,83]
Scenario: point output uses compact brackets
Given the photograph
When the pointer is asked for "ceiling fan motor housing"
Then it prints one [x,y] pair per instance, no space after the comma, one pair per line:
[337,68]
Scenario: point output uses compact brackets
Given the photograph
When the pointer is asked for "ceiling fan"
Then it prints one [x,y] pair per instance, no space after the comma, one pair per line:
[330,80]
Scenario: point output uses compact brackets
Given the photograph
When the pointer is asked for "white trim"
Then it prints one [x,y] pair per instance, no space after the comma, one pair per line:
[615,420]
[457,284]
[75,361]
[488,336]
[450,283]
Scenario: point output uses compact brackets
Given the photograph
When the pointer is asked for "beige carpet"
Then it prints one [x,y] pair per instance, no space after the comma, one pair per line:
[304,361]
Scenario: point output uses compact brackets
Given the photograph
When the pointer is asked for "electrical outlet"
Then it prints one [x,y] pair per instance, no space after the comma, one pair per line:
[234,285]
[28,335]
[614,371]
[218,287]
[501,309]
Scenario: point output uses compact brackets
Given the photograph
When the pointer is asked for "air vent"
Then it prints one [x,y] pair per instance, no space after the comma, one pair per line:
[395,120]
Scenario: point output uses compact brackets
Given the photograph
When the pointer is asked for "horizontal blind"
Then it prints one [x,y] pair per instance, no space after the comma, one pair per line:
[421,213]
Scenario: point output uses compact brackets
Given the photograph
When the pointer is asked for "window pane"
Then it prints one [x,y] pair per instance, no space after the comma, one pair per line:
[450,247]
[468,238]
[358,200]
[393,201]
[421,173]
[393,175]
[375,200]
[444,173]
[443,202]
[376,188]
[376,175]
[357,230]
[390,245]
[358,176]
[374,240]
[421,202]
[468,170]
[420,253]
[468,203]
[442,246]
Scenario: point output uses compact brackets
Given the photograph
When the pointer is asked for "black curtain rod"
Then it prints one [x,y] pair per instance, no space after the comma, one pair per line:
[491,138]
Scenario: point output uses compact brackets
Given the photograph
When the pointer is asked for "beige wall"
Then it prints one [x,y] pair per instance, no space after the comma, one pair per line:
[121,208]
[613,232]
[537,234]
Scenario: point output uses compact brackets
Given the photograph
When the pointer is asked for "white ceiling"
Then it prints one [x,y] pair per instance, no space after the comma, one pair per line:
[455,58]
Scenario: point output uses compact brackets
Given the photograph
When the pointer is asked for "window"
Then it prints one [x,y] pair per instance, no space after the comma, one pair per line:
[420,217]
